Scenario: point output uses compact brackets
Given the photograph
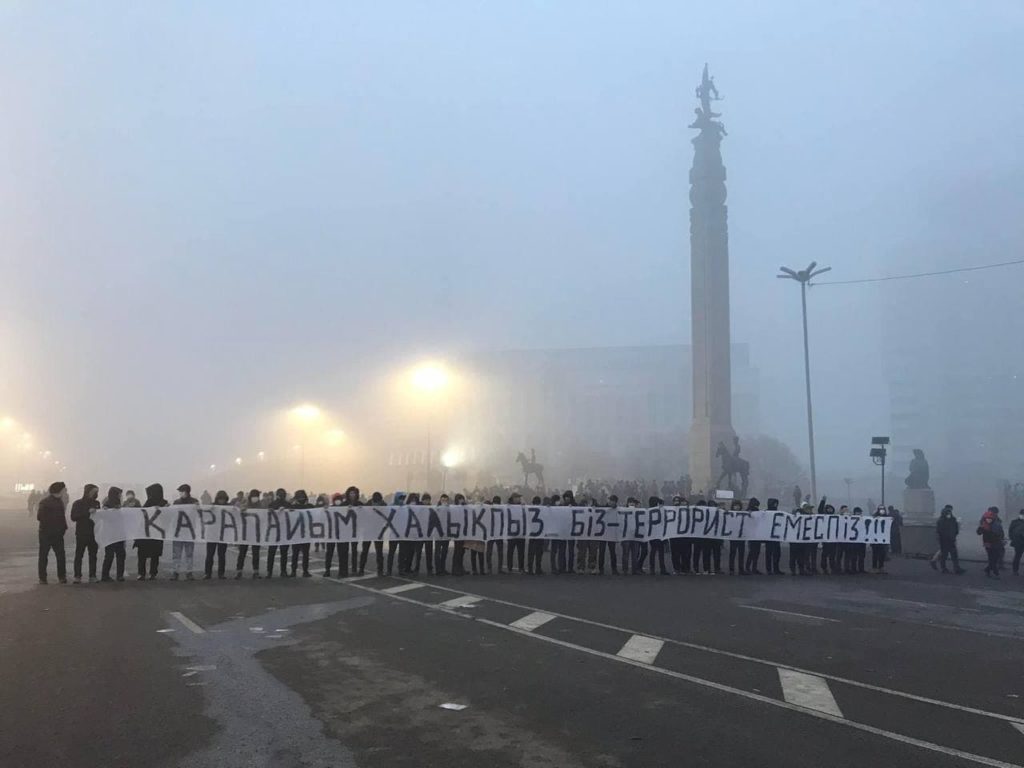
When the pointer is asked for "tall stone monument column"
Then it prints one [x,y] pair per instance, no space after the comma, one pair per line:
[709,291]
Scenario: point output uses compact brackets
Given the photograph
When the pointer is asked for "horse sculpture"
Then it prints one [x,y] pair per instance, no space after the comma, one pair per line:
[531,467]
[733,465]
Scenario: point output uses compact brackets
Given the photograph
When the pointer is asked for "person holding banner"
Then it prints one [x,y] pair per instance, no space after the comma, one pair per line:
[85,530]
[657,545]
[254,501]
[150,550]
[613,503]
[351,500]
[220,550]
[376,500]
[878,550]
[516,546]
[534,550]
[754,550]
[182,551]
[498,544]
[459,548]
[737,547]
[441,547]
[773,549]
[115,551]
[424,547]
[280,502]
[337,500]
[300,501]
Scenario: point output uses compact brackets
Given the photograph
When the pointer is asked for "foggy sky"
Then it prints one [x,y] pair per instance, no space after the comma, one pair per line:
[213,210]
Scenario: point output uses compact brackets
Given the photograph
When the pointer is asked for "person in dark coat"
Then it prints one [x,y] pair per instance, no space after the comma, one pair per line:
[517,546]
[183,552]
[301,501]
[376,500]
[947,528]
[337,500]
[737,547]
[220,550]
[773,549]
[254,501]
[878,550]
[1017,541]
[613,503]
[115,551]
[992,538]
[150,550]
[754,547]
[280,502]
[495,544]
[85,530]
[52,525]
[657,546]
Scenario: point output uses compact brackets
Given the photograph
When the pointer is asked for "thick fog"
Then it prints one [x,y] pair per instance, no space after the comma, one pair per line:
[214,212]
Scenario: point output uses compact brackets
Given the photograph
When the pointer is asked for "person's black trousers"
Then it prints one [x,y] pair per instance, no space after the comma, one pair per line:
[796,558]
[243,550]
[491,546]
[995,559]
[947,549]
[610,546]
[658,557]
[54,541]
[753,555]
[221,550]
[393,547]
[738,551]
[428,553]
[150,561]
[557,556]
[773,557]
[459,558]
[534,556]
[716,555]
[300,550]
[113,552]
[570,555]
[342,550]
[83,543]
[828,556]
[364,554]
[675,550]
[441,557]
[811,557]
[272,553]
[516,547]
[1017,552]
[877,555]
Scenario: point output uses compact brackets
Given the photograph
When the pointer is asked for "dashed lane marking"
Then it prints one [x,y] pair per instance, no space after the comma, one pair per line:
[816,713]
[188,623]
[735,655]
[788,613]
[531,621]
[1018,726]
[808,691]
[400,588]
[466,601]
[641,648]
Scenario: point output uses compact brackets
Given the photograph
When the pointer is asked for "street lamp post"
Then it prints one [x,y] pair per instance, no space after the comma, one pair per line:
[877,454]
[803,277]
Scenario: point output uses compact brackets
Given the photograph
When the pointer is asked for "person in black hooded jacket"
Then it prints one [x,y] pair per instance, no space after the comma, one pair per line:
[280,502]
[255,501]
[150,550]
[221,549]
[737,547]
[301,501]
[115,550]
[85,530]
[52,526]
[773,549]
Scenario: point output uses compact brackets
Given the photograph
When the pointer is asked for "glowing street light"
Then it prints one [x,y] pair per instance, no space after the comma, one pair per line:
[238,461]
[429,379]
[7,423]
[261,456]
[213,467]
[306,413]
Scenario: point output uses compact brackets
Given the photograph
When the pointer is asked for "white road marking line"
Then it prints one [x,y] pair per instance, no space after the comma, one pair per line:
[919,604]
[927,745]
[744,657]
[188,623]
[788,613]
[1018,726]
[641,648]
[808,691]
[531,621]
[346,579]
[402,588]
[465,601]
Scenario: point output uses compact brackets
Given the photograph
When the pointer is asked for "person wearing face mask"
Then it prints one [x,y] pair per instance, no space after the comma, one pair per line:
[376,500]
[220,550]
[613,503]
[85,530]
[279,504]
[182,551]
[990,528]
[947,528]
[773,549]
[878,550]
[441,547]
[459,547]
[150,550]
[421,548]
[1016,541]
[495,544]
[254,501]
[115,550]
[337,500]
[657,546]
[301,501]
[754,547]
[737,547]
[535,549]
[516,547]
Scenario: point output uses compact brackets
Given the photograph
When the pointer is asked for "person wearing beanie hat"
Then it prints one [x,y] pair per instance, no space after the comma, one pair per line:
[115,550]
[254,501]
[182,552]
[52,525]
[85,530]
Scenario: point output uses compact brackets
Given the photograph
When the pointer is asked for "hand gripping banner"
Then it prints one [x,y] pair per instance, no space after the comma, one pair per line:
[202,524]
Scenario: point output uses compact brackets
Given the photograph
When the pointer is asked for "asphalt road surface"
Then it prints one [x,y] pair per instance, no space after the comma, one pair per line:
[909,669]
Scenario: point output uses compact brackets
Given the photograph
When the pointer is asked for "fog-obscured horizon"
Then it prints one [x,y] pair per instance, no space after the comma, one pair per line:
[213,213]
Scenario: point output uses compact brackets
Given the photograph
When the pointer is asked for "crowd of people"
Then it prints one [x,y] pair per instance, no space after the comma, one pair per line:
[699,556]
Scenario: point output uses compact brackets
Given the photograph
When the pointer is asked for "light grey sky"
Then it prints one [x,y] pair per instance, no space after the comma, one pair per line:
[209,210]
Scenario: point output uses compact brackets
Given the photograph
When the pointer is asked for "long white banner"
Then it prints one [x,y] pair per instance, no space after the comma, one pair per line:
[231,525]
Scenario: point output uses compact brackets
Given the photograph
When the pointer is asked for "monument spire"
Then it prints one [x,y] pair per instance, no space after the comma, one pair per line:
[714,447]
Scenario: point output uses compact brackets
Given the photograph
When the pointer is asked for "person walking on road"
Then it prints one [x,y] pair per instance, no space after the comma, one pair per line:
[182,551]
[150,550]
[115,551]
[992,538]
[85,530]
[1017,541]
[52,525]
[947,528]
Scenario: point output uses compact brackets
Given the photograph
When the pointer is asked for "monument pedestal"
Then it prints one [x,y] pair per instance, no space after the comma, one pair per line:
[918,506]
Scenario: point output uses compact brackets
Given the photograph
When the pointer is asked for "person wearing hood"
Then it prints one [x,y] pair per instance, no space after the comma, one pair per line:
[254,501]
[798,550]
[611,506]
[495,544]
[85,530]
[991,531]
[221,499]
[182,552]
[947,528]
[442,545]
[301,501]
[204,498]
[376,500]
[280,502]
[754,548]
[657,546]
[737,547]
[878,550]
[1017,541]
[130,501]
[534,549]
[337,500]
[150,550]
[52,525]
[773,549]
[115,550]
[423,548]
